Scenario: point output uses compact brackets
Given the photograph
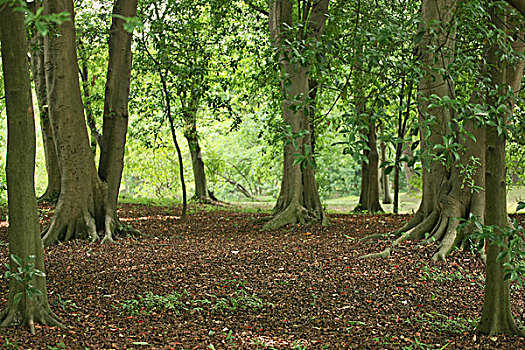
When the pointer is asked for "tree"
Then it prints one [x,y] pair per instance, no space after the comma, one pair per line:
[82,207]
[27,302]
[39,78]
[115,126]
[451,137]
[295,31]
[183,44]
[505,78]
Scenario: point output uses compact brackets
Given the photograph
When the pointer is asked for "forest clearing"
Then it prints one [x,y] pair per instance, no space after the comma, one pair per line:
[218,281]
[262,174]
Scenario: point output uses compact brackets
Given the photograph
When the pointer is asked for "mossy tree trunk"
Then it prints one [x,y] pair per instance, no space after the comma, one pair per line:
[115,122]
[24,228]
[497,317]
[82,206]
[39,78]
[299,200]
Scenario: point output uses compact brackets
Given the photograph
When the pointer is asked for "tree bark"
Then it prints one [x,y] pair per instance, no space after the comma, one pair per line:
[82,206]
[369,197]
[24,229]
[199,173]
[39,77]
[385,179]
[299,200]
[496,316]
[115,122]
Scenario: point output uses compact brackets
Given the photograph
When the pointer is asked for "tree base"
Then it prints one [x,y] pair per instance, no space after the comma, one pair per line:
[68,226]
[438,226]
[37,314]
[496,327]
[296,214]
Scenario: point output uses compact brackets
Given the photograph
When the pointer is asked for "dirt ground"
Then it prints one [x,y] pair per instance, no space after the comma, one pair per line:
[216,281]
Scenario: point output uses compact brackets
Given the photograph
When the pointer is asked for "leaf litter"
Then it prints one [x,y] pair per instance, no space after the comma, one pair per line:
[216,281]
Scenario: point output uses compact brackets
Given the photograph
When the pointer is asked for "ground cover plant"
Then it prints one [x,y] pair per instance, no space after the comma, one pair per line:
[216,281]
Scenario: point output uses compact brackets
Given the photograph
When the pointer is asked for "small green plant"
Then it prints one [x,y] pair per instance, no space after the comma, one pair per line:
[8,344]
[442,323]
[352,324]
[24,276]
[64,304]
[58,346]
[298,345]
[181,302]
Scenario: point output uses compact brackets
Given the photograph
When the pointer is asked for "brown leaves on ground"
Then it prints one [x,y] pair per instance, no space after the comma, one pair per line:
[216,281]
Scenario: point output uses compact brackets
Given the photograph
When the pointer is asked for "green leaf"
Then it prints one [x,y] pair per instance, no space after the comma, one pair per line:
[17,260]
[39,273]
[17,298]
[418,38]
[41,27]
[520,206]
[389,169]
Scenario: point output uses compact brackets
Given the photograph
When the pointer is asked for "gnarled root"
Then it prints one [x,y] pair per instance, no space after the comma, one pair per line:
[295,214]
[35,314]
[415,232]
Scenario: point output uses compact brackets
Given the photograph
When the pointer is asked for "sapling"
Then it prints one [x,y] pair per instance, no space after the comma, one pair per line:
[24,275]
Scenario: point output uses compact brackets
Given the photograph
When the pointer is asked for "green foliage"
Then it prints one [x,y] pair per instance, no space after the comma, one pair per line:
[239,299]
[509,238]
[24,274]
[440,323]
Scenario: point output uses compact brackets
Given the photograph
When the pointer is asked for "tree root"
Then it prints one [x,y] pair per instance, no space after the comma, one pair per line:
[374,236]
[416,232]
[38,314]
[294,214]
[383,254]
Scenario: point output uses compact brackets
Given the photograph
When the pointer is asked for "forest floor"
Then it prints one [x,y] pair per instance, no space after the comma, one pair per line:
[216,281]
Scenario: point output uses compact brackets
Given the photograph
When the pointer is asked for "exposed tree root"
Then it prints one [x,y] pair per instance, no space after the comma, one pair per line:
[67,226]
[374,236]
[33,314]
[295,214]
[208,201]
[439,225]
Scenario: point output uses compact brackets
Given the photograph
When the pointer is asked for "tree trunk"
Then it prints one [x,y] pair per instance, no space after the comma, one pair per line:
[199,173]
[496,316]
[24,228]
[446,196]
[385,180]
[299,200]
[409,171]
[115,123]
[84,75]
[82,205]
[369,197]
[39,77]
[436,182]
